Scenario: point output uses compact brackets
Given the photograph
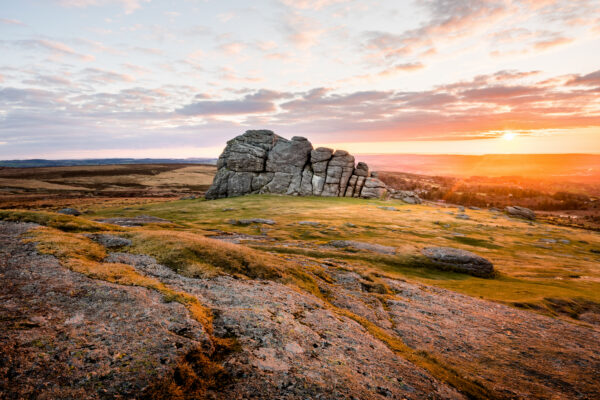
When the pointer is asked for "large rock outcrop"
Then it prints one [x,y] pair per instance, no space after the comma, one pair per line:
[259,161]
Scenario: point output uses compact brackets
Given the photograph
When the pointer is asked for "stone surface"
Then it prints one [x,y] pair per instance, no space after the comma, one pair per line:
[259,161]
[407,196]
[373,189]
[134,221]
[69,211]
[353,244]
[251,221]
[521,212]
[460,260]
[110,241]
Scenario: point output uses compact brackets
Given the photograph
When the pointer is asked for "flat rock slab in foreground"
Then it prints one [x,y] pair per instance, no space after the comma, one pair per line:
[460,260]
[66,336]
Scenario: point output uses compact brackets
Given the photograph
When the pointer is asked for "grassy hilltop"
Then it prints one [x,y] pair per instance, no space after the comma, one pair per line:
[530,271]
[267,290]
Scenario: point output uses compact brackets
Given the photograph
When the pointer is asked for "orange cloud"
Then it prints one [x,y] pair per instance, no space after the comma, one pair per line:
[547,44]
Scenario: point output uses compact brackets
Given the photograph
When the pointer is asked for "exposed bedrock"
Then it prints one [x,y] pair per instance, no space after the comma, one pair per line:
[259,161]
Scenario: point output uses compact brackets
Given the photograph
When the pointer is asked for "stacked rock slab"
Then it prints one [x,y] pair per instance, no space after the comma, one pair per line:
[259,161]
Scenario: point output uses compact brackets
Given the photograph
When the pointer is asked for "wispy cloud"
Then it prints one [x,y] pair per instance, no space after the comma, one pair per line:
[303,32]
[129,6]
[55,47]
[311,4]
[8,21]
[549,43]
[103,76]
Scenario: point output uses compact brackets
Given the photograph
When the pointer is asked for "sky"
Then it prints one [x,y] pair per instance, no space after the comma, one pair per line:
[149,78]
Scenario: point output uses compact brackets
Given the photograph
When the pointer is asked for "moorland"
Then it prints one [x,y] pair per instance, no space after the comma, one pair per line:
[154,292]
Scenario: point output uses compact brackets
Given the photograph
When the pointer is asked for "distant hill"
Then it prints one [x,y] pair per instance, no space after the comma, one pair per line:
[574,167]
[102,161]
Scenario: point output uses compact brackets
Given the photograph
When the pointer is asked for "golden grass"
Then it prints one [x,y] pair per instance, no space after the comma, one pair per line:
[196,256]
[59,221]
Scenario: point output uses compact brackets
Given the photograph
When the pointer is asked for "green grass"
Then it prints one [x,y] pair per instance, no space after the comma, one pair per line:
[526,273]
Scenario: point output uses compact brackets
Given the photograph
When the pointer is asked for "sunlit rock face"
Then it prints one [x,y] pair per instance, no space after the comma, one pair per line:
[259,161]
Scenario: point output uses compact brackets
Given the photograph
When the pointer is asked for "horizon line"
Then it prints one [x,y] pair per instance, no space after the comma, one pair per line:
[356,154]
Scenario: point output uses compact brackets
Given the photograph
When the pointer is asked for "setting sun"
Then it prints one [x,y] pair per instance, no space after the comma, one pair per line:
[509,136]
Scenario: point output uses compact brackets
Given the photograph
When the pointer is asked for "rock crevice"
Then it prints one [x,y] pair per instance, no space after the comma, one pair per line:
[259,161]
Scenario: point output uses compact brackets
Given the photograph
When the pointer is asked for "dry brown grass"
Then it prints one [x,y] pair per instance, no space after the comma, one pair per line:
[59,221]
[197,256]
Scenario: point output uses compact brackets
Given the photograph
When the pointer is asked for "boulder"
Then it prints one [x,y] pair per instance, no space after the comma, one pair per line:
[110,241]
[460,260]
[69,211]
[355,245]
[361,169]
[139,220]
[373,189]
[407,196]
[360,182]
[351,186]
[259,161]
[251,221]
[520,212]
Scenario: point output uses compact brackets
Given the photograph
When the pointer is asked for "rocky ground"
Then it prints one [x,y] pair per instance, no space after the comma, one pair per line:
[65,335]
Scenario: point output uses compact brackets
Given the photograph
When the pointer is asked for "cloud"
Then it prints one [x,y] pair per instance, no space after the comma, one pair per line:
[57,48]
[29,98]
[448,21]
[232,47]
[129,6]
[258,103]
[8,21]
[230,75]
[98,75]
[591,79]
[405,67]
[148,50]
[311,4]
[303,32]
[225,17]
[477,108]
[549,43]
[49,80]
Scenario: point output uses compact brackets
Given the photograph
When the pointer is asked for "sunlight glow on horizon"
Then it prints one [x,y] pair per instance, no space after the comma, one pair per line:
[509,136]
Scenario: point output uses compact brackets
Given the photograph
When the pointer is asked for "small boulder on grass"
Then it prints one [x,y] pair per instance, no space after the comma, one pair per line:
[460,260]
[355,245]
[520,212]
[110,241]
[69,211]
[251,221]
